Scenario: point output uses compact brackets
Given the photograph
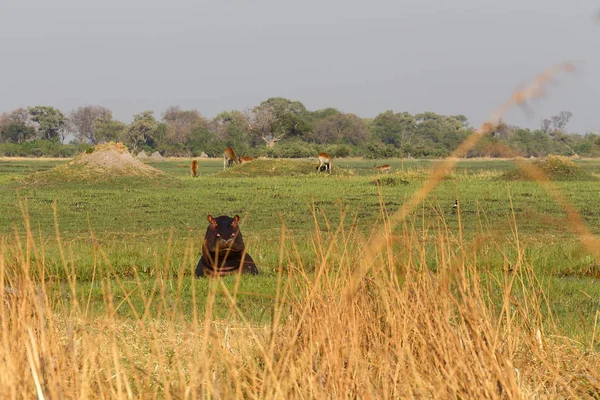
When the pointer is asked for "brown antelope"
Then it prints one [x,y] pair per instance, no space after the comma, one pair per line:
[384,167]
[229,157]
[194,168]
[324,162]
[245,159]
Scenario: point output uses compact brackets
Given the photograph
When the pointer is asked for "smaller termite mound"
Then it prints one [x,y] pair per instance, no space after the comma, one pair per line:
[555,168]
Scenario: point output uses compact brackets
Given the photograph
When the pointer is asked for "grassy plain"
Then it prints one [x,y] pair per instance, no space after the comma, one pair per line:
[140,240]
[157,227]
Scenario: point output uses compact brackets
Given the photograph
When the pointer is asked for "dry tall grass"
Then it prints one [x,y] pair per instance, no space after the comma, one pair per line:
[405,332]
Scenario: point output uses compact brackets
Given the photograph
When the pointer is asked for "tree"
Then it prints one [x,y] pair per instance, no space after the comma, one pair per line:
[561,120]
[439,131]
[278,116]
[540,144]
[81,122]
[106,129]
[232,128]
[290,124]
[563,139]
[271,141]
[16,132]
[501,130]
[557,122]
[50,121]
[142,131]
[180,124]
[338,128]
[15,126]
[546,124]
[462,119]
[203,140]
[396,129]
[19,115]
[260,122]
[556,128]
[281,106]
[324,113]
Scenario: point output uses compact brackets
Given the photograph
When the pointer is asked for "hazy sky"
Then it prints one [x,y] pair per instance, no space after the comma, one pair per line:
[365,57]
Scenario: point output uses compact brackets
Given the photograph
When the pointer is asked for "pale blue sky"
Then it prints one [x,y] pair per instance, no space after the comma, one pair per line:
[365,57]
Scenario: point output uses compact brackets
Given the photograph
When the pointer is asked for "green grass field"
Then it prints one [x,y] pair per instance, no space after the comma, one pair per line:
[132,232]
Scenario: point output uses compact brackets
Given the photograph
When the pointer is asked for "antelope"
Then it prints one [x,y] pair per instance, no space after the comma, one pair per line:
[324,162]
[194,168]
[229,157]
[245,159]
[384,167]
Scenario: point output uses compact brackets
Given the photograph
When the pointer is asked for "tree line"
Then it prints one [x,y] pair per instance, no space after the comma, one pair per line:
[280,127]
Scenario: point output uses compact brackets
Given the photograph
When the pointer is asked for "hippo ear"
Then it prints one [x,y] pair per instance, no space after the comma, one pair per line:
[236,219]
[213,222]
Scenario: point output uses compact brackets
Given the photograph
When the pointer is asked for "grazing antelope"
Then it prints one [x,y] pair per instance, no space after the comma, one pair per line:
[324,162]
[194,168]
[382,168]
[229,157]
[245,159]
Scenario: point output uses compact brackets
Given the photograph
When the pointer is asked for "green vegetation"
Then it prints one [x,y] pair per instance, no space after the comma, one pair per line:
[145,229]
[108,265]
[556,168]
[282,128]
[41,148]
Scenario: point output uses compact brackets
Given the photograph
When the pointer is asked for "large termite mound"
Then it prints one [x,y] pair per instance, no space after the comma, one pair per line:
[107,161]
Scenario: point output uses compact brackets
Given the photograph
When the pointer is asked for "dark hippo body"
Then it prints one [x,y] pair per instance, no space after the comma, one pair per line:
[223,250]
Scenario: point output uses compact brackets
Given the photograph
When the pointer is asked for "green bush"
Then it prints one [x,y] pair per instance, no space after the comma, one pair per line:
[170,150]
[42,148]
[340,150]
[376,150]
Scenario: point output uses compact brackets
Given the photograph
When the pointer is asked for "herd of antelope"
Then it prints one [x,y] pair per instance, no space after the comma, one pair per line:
[229,158]
[325,161]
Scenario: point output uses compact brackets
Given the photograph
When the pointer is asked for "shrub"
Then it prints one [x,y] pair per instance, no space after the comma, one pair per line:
[42,148]
[340,150]
[380,150]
